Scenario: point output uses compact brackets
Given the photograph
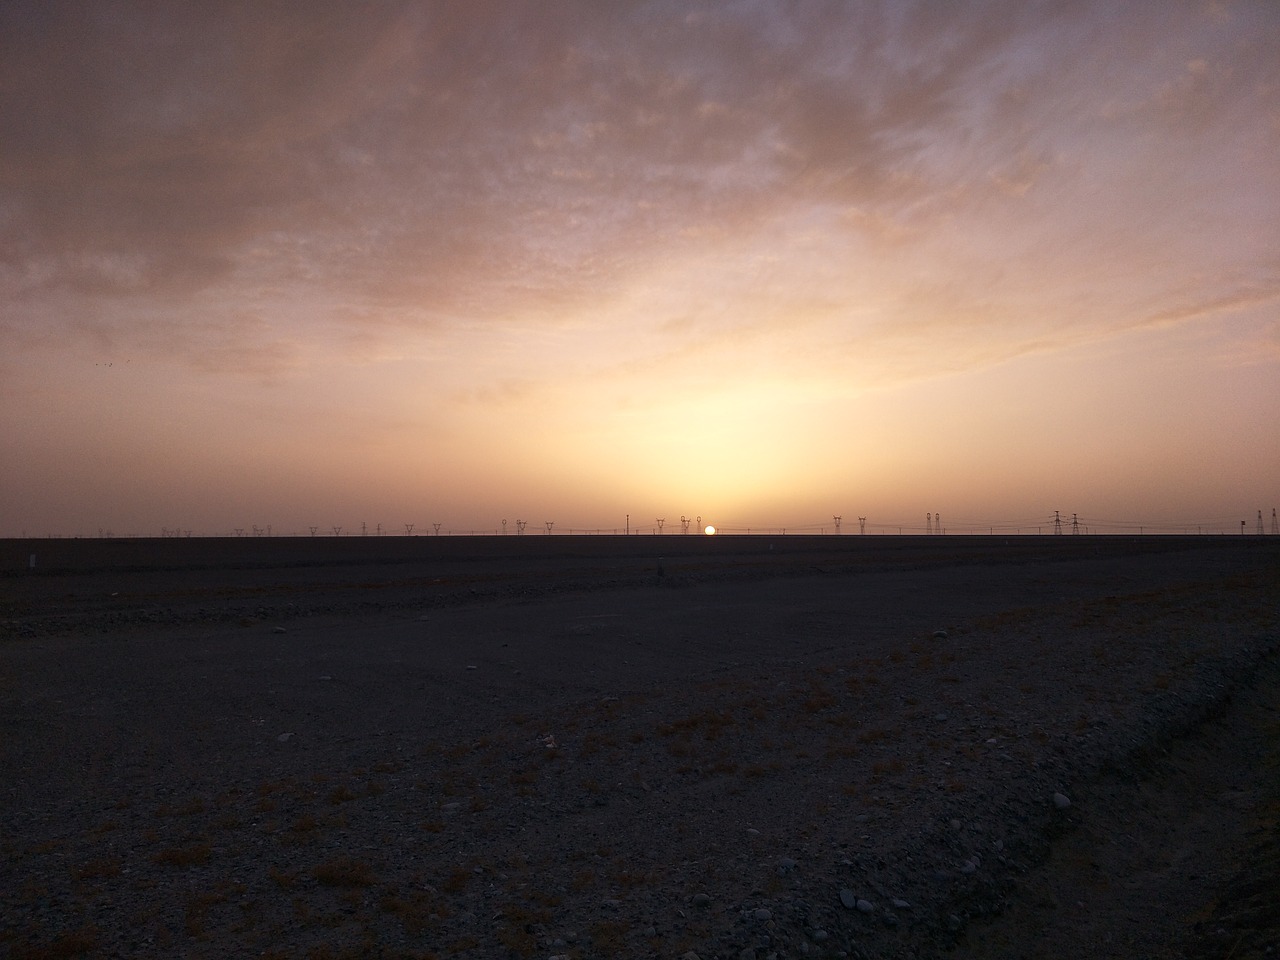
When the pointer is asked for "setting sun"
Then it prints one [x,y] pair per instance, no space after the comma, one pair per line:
[710,531]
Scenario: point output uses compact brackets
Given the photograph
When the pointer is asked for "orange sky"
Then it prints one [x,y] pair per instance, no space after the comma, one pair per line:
[763,263]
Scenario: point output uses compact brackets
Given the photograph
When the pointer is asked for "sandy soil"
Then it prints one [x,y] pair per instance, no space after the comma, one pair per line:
[592,747]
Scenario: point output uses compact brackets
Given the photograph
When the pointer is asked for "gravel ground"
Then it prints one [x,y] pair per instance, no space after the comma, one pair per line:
[804,755]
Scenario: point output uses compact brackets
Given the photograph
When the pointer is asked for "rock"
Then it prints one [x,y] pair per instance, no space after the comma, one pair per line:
[763,914]
[284,737]
[939,634]
[689,956]
[866,906]
[1061,801]
[279,630]
[785,865]
[968,867]
[747,953]
[900,904]
[701,900]
[848,899]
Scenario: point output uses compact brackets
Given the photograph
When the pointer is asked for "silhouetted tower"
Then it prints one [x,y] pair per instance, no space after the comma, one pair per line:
[550,524]
[1275,527]
[408,529]
[1057,524]
[937,523]
[660,521]
[337,531]
[862,524]
[928,523]
[1075,525]
[504,526]
[837,520]
[520,527]
[437,526]
[684,523]
[313,530]
[1259,523]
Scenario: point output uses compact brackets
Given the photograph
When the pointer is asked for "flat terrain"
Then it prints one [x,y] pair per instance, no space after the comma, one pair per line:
[640,746]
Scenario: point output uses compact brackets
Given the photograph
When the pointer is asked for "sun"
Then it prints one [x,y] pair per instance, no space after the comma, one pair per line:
[710,531]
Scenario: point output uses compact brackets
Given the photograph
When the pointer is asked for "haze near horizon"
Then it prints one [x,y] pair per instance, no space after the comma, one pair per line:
[756,262]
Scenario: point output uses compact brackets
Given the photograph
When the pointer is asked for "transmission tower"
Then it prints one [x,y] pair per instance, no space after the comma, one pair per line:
[862,524]
[337,531]
[1259,523]
[684,523]
[937,523]
[520,527]
[837,520]
[504,527]
[408,529]
[660,521]
[1075,525]
[313,530]
[550,524]
[1057,524]
[1275,528]
[437,526]
[928,523]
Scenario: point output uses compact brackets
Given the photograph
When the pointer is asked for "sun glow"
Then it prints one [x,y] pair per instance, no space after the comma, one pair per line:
[710,531]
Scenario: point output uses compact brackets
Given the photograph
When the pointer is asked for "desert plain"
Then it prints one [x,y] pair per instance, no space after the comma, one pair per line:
[647,746]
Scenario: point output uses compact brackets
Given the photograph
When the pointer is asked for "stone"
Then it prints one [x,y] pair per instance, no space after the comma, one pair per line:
[848,899]
[866,906]
[1061,801]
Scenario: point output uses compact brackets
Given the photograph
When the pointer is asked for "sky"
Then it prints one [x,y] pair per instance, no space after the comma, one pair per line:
[763,263]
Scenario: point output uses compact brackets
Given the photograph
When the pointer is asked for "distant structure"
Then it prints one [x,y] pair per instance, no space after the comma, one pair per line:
[313,530]
[408,529]
[1075,525]
[520,527]
[684,523]
[1275,527]
[504,526]
[928,523]
[550,524]
[1057,524]
[862,525]
[937,523]
[337,531]
[837,520]
[660,521]
[1259,523]
[437,526]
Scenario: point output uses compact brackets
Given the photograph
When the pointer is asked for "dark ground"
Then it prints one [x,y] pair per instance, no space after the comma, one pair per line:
[763,722]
